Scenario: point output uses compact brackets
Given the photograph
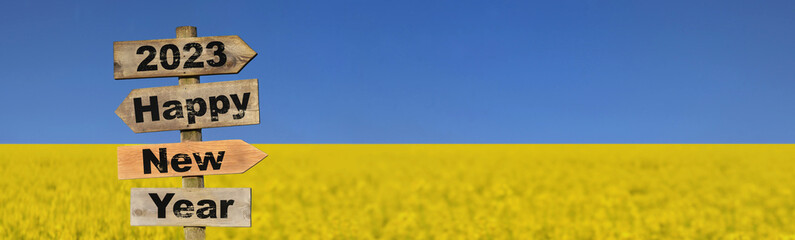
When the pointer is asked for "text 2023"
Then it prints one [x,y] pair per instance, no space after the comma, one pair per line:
[190,63]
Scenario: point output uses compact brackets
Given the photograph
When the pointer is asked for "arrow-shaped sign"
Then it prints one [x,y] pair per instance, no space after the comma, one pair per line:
[187,159]
[193,106]
[179,57]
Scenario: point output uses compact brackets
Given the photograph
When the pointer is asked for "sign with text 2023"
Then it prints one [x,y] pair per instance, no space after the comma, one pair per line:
[180,57]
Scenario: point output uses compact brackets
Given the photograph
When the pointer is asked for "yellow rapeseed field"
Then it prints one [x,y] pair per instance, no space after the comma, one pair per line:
[410,191]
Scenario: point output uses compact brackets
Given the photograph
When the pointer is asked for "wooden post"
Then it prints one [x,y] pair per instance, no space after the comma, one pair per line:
[192,232]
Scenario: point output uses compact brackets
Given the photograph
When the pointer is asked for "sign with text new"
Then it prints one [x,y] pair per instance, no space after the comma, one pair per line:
[187,159]
[218,207]
[180,57]
[194,106]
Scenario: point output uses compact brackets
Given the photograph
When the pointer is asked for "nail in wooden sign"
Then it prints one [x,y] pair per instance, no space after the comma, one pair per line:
[205,105]
[214,207]
[187,159]
[179,57]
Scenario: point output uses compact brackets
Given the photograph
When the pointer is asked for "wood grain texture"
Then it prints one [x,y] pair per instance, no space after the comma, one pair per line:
[192,135]
[126,58]
[144,210]
[181,93]
[238,156]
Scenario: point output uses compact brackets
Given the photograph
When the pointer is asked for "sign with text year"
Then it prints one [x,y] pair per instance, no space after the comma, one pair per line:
[215,207]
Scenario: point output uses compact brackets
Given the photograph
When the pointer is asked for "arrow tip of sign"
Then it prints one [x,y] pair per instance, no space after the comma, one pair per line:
[245,60]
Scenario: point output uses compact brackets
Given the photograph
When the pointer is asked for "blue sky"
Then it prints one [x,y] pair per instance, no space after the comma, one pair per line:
[424,71]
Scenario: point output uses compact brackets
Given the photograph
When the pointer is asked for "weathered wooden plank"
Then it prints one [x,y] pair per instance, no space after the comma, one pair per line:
[215,207]
[193,106]
[187,159]
[193,135]
[189,56]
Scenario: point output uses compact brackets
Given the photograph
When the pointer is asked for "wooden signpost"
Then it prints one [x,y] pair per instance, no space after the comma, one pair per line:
[194,106]
[188,108]
[189,56]
[217,207]
[187,159]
